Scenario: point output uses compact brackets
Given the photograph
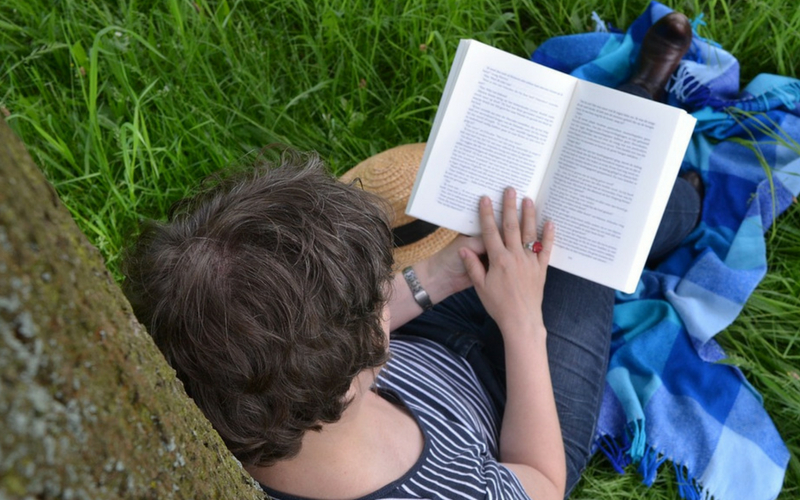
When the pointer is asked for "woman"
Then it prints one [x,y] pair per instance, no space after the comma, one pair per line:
[272,296]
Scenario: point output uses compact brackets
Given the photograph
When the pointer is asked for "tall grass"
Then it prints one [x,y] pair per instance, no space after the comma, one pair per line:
[126,105]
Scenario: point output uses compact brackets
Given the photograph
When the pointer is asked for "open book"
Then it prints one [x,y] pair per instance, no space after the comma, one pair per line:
[598,162]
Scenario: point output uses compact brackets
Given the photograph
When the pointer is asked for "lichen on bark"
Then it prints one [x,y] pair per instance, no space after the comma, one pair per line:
[88,406]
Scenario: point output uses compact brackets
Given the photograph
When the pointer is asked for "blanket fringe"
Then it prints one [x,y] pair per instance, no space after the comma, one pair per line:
[685,87]
[615,451]
[618,451]
[682,84]
[600,26]
[696,23]
[687,486]
[638,439]
[789,95]
[648,467]
[627,450]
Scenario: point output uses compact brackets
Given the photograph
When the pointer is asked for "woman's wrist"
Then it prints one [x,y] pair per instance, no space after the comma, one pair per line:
[523,330]
[403,305]
[434,280]
[419,293]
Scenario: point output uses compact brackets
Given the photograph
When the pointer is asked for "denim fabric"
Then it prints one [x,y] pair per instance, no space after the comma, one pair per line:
[577,314]
[680,218]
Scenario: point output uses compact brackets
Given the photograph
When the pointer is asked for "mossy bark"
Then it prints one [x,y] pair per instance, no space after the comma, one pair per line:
[88,406]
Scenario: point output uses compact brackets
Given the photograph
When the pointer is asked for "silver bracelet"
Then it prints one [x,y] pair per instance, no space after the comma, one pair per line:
[420,295]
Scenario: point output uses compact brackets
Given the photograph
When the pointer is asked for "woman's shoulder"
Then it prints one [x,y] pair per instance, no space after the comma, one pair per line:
[457,461]
[440,387]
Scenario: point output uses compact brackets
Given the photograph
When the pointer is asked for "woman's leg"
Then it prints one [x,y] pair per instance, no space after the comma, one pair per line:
[680,218]
[578,315]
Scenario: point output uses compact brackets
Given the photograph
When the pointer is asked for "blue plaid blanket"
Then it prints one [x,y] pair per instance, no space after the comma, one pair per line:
[667,398]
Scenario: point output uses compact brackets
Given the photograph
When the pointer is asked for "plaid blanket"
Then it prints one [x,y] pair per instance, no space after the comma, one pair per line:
[667,398]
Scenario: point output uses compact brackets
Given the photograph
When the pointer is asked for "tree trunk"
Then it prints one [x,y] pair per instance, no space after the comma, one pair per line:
[88,406]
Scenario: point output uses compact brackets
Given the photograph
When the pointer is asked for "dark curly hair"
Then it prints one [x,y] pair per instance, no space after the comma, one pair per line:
[265,293]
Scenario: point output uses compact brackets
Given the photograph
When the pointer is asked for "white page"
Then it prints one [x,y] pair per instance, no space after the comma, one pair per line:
[607,187]
[496,126]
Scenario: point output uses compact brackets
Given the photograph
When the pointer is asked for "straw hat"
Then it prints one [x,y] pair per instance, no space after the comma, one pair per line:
[391,175]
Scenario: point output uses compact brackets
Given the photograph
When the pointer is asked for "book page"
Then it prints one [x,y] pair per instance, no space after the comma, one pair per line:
[609,182]
[496,127]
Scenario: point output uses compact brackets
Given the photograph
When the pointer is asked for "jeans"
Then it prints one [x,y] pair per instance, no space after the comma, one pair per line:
[577,314]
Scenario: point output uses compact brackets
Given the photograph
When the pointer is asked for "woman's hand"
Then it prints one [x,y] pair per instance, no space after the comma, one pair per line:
[512,286]
[444,274]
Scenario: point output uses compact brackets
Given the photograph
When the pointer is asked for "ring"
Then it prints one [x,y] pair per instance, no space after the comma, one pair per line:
[533,246]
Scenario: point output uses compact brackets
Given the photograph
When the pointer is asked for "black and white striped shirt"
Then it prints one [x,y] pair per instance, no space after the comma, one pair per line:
[459,424]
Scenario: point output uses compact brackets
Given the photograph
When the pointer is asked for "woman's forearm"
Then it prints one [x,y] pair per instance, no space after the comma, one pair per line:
[441,275]
[402,306]
[530,434]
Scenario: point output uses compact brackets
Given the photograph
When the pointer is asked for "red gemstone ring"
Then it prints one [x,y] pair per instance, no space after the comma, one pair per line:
[533,246]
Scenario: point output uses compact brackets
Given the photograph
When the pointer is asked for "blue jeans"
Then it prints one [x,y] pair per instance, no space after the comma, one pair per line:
[577,314]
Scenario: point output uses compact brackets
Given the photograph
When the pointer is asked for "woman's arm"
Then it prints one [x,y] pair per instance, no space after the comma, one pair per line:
[441,275]
[511,290]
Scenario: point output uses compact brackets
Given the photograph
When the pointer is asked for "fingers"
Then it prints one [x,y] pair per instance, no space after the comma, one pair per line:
[528,221]
[529,231]
[511,219]
[491,234]
[514,234]
[474,243]
[474,266]
[548,237]
[477,246]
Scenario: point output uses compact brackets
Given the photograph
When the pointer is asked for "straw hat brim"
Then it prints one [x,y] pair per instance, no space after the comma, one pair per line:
[391,174]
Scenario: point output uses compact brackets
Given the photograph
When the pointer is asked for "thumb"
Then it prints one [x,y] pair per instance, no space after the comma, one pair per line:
[473,265]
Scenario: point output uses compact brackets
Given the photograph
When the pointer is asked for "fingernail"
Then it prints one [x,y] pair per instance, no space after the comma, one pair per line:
[485,201]
[528,202]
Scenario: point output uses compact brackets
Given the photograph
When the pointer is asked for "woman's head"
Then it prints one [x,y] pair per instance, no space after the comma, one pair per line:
[265,293]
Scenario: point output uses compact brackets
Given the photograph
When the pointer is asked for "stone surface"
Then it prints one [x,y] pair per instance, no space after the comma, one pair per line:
[89,409]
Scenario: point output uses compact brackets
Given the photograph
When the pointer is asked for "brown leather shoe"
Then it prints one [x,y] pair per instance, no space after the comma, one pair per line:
[663,47]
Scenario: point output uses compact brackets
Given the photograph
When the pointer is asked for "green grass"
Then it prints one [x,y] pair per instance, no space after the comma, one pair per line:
[126,105]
